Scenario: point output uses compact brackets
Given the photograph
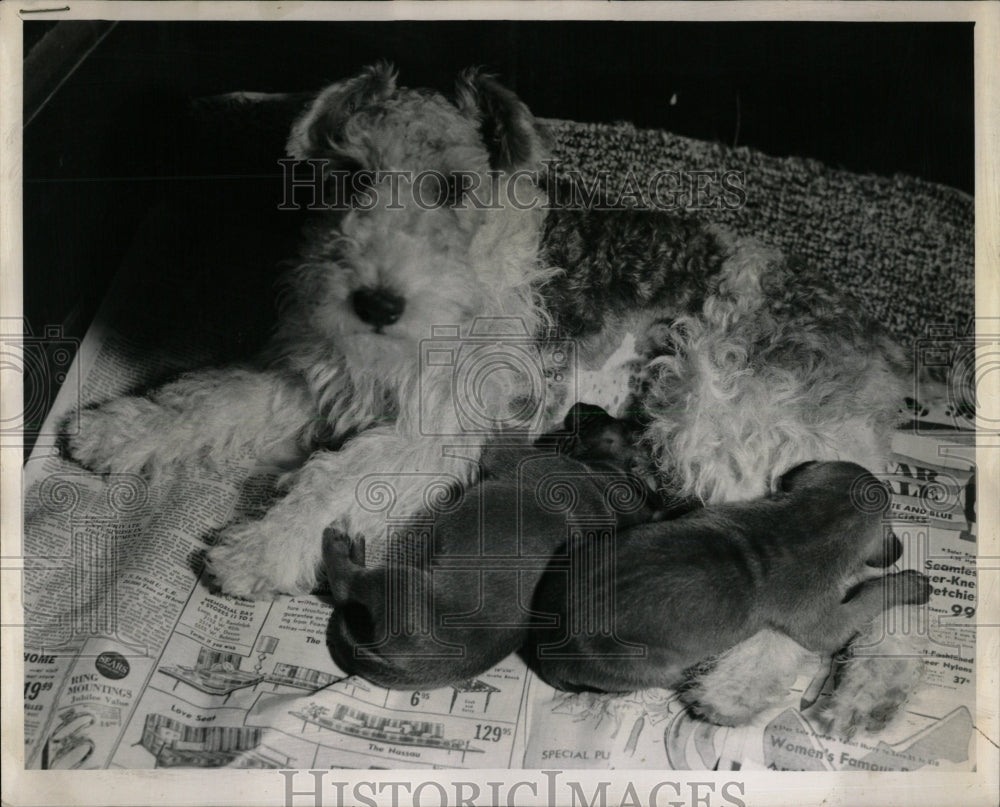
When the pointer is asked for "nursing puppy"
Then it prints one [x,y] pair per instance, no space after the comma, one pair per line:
[679,592]
[455,599]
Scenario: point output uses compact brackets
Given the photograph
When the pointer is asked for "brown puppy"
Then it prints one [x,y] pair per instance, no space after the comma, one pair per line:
[455,600]
[675,593]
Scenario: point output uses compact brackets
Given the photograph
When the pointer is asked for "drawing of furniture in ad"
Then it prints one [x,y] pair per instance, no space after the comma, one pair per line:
[293,675]
[263,757]
[175,744]
[214,673]
[398,731]
[472,686]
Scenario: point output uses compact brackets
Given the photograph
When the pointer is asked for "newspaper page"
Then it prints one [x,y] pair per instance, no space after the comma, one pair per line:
[131,661]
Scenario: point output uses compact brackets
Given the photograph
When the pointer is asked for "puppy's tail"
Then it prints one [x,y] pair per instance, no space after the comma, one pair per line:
[340,563]
[358,596]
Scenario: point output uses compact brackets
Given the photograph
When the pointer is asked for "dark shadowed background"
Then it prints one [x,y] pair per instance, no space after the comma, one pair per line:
[109,133]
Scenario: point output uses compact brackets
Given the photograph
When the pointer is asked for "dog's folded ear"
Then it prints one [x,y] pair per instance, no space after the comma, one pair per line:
[316,130]
[797,476]
[582,415]
[513,137]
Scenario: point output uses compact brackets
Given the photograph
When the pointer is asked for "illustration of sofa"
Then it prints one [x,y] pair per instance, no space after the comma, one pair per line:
[472,686]
[301,677]
[215,673]
[398,731]
[175,744]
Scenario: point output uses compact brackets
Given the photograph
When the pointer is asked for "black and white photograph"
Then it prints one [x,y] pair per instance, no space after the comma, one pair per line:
[453,404]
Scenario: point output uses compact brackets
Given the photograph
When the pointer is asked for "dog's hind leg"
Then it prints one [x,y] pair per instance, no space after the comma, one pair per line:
[884,664]
[878,676]
[211,413]
[746,679]
[829,629]
[871,600]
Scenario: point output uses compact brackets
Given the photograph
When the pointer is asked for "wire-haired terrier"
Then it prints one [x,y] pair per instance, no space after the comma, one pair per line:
[440,300]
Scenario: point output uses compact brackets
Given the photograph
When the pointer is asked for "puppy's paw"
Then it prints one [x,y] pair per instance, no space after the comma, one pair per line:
[910,587]
[339,549]
[253,562]
[114,438]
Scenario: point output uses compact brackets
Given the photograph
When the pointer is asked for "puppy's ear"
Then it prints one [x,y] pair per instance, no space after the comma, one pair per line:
[796,476]
[583,417]
[316,130]
[512,136]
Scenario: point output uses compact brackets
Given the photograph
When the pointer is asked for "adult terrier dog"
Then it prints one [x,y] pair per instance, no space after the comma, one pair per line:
[753,363]
[684,590]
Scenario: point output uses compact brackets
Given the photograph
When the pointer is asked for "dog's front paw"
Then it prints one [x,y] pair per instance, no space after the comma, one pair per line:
[114,437]
[869,695]
[870,689]
[258,563]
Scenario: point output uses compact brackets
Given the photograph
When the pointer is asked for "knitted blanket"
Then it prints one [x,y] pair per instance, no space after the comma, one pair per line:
[904,246]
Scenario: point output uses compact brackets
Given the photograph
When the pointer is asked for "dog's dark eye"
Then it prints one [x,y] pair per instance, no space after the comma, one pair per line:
[359,191]
[350,166]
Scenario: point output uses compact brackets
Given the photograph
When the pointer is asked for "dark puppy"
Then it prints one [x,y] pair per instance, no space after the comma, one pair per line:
[454,600]
[678,592]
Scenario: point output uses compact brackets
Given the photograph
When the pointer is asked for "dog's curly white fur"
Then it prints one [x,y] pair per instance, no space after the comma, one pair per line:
[335,374]
[751,367]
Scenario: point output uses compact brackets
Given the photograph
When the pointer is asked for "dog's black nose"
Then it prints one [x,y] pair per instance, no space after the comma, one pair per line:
[378,307]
